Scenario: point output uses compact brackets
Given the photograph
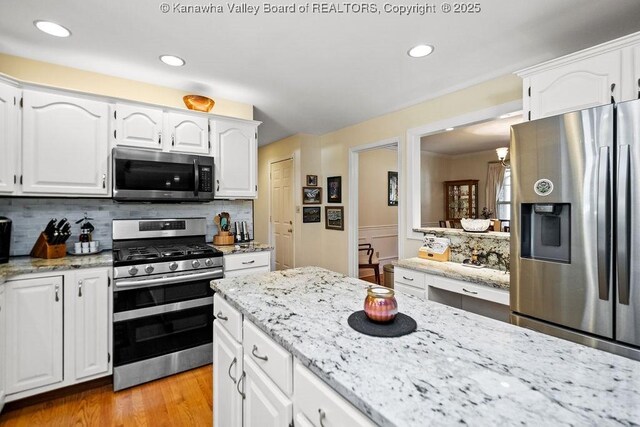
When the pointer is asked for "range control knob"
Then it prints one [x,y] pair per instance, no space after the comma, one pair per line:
[208,262]
[173,266]
[195,263]
[149,269]
[133,271]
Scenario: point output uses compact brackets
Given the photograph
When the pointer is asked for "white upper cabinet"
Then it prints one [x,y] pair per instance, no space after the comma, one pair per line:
[65,145]
[138,126]
[91,324]
[235,153]
[9,99]
[187,133]
[34,333]
[589,78]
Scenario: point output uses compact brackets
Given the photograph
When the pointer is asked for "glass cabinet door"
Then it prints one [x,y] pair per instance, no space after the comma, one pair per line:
[461,199]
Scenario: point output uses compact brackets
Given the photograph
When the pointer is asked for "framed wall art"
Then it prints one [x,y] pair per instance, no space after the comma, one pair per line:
[312,180]
[334,189]
[334,217]
[311,214]
[392,188]
[311,195]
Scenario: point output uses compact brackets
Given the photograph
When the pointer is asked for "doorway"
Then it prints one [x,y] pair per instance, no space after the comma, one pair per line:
[282,213]
[374,208]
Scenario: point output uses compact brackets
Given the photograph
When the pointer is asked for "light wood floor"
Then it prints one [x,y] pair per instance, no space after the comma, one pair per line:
[180,400]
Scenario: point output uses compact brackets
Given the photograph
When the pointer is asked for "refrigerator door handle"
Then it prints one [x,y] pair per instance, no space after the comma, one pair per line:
[623,223]
[603,223]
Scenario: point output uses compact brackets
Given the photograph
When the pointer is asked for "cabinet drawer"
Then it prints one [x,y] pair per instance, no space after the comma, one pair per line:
[228,317]
[256,270]
[409,277]
[469,289]
[320,405]
[409,290]
[248,260]
[274,360]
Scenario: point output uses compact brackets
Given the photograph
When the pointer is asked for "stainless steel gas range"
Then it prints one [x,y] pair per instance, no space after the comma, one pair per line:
[162,304]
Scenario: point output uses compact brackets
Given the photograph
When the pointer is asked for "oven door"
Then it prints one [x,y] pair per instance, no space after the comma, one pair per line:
[152,321]
[150,175]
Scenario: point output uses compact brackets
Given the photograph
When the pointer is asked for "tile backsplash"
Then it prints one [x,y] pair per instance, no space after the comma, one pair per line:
[31,215]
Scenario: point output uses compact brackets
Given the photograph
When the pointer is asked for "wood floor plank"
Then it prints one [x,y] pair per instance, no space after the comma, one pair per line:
[185,399]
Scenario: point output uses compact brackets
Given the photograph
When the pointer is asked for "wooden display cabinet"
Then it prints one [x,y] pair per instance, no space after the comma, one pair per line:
[460,199]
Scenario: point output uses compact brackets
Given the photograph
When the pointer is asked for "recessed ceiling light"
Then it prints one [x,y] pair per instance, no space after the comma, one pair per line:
[420,50]
[52,28]
[449,129]
[174,61]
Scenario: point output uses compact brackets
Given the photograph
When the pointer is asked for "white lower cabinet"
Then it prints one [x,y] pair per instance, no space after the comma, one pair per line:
[247,263]
[316,402]
[227,369]
[265,405]
[34,333]
[410,282]
[56,331]
[3,323]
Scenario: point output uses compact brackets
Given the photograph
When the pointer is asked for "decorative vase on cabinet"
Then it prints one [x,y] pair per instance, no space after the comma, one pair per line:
[460,199]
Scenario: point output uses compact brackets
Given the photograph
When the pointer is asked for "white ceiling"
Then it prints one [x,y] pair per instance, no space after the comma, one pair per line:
[311,73]
[477,137]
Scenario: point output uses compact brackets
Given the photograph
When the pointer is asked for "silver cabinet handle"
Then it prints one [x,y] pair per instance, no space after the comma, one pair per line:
[254,352]
[321,415]
[173,140]
[238,385]
[407,278]
[104,180]
[57,293]
[249,262]
[470,292]
[221,316]
[231,366]
[159,138]
[80,288]
[603,226]
[218,182]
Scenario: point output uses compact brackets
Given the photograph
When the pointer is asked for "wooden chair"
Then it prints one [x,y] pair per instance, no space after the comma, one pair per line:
[367,259]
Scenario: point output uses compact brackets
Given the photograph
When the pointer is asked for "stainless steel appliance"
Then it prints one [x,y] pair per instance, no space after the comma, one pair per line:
[575,248]
[5,239]
[145,175]
[162,299]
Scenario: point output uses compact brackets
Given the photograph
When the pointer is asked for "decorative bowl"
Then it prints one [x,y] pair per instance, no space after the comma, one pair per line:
[198,103]
[475,225]
[380,306]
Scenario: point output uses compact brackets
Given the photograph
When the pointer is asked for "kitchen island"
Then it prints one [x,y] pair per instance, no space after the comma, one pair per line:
[456,368]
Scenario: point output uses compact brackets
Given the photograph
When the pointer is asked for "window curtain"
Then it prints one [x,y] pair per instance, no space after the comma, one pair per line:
[495,179]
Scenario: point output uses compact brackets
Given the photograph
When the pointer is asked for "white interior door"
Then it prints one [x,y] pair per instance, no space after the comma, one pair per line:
[282,212]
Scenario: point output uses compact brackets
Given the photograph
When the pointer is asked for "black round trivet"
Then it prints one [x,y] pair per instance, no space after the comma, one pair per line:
[401,325]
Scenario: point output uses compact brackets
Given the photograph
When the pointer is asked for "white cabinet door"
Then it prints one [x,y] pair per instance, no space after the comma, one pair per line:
[9,98]
[577,85]
[227,369]
[235,156]
[265,405]
[187,133]
[65,144]
[138,126]
[34,333]
[91,323]
[3,346]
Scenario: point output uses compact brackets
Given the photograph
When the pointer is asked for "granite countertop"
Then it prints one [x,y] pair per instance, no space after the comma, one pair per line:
[458,231]
[28,265]
[457,368]
[480,276]
[241,248]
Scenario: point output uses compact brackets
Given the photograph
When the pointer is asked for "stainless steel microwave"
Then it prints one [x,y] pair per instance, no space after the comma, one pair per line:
[143,175]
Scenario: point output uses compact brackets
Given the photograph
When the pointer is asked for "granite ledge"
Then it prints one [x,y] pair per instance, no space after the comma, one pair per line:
[27,265]
[497,235]
[242,248]
[480,276]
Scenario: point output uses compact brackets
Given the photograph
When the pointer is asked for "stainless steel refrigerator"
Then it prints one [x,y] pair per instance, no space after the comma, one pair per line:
[575,247]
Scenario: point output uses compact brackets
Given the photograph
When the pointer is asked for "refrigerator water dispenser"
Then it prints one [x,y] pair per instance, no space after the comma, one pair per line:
[546,231]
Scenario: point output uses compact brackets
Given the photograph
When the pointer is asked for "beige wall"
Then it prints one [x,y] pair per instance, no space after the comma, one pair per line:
[30,71]
[329,247]
[373,209]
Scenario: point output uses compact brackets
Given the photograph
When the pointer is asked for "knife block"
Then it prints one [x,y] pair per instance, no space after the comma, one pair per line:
[43,249]
[223,238]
